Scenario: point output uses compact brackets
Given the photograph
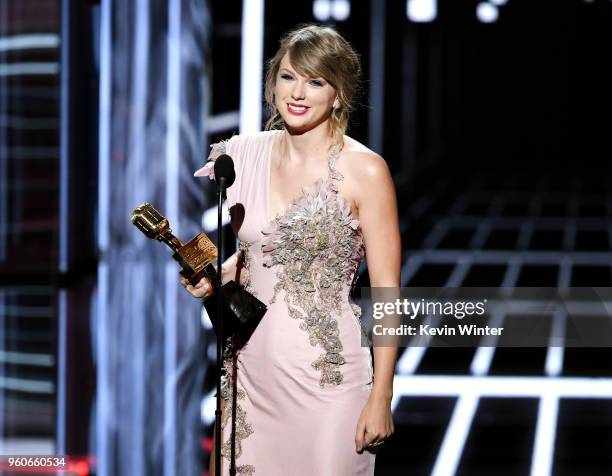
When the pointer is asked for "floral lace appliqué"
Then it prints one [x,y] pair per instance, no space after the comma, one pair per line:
[318,247]
[246,261]
[217,149]
[243,428]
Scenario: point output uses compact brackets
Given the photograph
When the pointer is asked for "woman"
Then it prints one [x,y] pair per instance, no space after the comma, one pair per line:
[307,204]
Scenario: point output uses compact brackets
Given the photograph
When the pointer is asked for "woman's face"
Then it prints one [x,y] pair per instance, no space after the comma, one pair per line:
[303,102]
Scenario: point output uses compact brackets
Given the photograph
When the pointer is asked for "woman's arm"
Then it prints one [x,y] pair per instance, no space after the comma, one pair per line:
[377,205]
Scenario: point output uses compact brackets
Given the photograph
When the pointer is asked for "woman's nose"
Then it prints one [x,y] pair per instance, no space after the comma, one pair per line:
[298,90]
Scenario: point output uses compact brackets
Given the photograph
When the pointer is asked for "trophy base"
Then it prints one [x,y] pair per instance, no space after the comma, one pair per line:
[242,312]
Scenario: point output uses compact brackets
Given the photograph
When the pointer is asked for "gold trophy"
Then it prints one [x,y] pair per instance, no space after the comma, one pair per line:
[241,310]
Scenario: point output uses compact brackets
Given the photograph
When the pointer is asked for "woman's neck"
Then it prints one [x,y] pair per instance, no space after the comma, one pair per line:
[301,147]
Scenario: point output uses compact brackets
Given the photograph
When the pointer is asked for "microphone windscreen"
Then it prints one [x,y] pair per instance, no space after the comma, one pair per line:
[224,168]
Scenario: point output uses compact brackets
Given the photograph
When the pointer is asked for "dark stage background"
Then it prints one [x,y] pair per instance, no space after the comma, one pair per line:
[494,117]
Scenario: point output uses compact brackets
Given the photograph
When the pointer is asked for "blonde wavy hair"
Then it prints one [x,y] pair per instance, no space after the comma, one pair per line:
[317,51]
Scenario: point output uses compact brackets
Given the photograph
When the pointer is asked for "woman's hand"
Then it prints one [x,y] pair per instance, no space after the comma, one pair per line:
[375,423]
[202,289]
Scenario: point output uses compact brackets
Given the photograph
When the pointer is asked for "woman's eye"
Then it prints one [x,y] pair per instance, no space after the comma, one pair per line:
[316,82]
[286,76]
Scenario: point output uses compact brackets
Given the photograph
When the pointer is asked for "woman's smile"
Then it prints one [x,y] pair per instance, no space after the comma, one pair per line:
[296,109]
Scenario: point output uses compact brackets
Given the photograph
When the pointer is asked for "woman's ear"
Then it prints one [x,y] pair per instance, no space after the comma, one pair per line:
[336,104]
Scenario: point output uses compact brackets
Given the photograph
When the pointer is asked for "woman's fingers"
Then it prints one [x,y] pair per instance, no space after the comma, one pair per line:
[195,292]
[360,435]
[202,289]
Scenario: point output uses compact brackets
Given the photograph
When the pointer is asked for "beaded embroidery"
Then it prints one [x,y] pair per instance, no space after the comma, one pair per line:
[217,149]
[246,261]
[318,245]
[243,429]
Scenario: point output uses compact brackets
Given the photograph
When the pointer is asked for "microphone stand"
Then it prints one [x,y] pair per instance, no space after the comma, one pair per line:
[220,194]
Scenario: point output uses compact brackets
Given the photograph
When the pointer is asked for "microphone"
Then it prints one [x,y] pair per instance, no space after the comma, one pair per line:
[224,171]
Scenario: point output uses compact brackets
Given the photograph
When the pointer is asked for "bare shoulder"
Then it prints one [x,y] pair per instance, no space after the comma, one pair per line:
[365,173]
[359,163]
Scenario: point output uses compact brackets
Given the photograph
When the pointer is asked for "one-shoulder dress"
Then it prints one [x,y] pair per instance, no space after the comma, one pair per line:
[293,394]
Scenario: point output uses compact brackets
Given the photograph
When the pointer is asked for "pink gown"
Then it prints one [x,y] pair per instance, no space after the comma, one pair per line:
[302,380]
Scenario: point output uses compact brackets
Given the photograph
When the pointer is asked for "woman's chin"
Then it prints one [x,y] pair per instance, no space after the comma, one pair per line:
[296,130]
[299,127]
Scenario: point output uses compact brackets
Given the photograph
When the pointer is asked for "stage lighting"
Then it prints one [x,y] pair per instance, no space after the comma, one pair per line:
[422,11]
[487,12]
[341,9]
[338,10]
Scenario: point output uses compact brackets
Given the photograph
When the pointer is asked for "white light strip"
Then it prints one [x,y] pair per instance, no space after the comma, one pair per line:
[173,162]
[546,429]
[554,361]
[456,435]
[205,320]
[139,396]
[377,76]
[481,363]
[104,129]
[140,90]
[64,232]
[26,358]
[62,366]
[3,327]
[223,122]
[554,356]
[170,365]
[139,133]
[173,115]
[25,385]
[34,68]
[103,393]
[395,402]
[483,357]
[452,385]
[25,42]
[4,191]
[564,279]
[208,407]
[410,360]
[251,60]
[209,218]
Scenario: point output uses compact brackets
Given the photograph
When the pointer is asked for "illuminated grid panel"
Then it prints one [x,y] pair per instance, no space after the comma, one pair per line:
[30,221]
[516,238]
